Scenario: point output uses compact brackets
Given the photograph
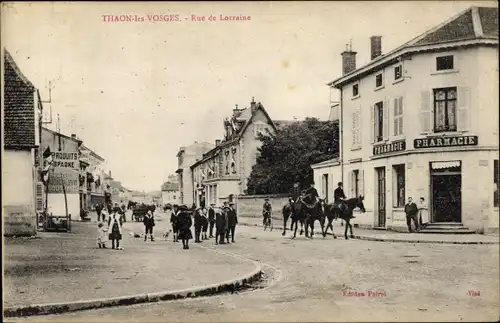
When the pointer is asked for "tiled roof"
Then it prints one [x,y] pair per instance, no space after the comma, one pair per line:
[167,186]
[475,23]
[489,21]
[19,107]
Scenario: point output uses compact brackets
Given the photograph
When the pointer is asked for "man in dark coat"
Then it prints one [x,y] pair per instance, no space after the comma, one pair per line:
[185,222]
[411,211]
[232,220]
[339,196]
[149,223]
[220,226]
[199,219]
[211,219]
[174,221]
[295,194]
[311,195]
[107,199]
[266,211]
[98,209]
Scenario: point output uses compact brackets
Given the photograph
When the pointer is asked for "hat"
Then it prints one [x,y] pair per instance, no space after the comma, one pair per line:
[183,207]
[266,199]
[100,224]
[231,203]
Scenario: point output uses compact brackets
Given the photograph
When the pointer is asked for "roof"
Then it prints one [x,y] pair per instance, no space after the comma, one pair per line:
[327,163]
[19,107]
[168,186]
[92,153]
[242,119]
[79,141]
[475,25]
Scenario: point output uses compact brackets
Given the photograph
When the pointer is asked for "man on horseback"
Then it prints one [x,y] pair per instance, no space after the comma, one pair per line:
[295,194]
[339,197]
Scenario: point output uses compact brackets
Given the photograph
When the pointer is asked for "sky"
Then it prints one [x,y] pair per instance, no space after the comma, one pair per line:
[137,91]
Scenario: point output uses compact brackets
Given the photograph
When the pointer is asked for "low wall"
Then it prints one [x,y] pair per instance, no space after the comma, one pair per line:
[251,205]
[19,220]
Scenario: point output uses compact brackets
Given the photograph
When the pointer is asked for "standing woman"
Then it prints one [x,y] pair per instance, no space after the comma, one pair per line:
[423,211]
[115,223]
[185,222]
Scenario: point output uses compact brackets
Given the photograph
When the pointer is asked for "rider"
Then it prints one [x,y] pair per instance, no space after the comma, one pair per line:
[295,193]
[311,194]
[339,196]
[266,210]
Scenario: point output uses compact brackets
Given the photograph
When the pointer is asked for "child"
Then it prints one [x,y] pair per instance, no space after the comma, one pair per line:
[101,239]
[149,223]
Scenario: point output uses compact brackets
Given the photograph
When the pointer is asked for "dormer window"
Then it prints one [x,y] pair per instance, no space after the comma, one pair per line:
[355,90]
[445,63]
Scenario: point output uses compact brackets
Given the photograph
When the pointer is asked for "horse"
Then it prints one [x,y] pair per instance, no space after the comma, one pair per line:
[298,216]
[344,212]
[314,212]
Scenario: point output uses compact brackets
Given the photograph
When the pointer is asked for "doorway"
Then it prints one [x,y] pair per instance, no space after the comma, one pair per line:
[381,212]
[446,192]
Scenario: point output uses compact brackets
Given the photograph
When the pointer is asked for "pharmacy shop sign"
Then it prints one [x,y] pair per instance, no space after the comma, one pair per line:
[437,142]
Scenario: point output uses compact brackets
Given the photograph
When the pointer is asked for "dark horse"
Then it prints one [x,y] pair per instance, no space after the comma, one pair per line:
[297,216]
[313,213]
[344,212]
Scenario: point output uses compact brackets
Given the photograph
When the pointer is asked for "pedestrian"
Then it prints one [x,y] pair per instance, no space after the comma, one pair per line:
[101,235]
[232,221]
[98,209]
[115,228]
[199,218]
[423,212]
[107,198]
[220,226]
[149,223]
[411,211]
[211,219]
[185,222]
[174,221]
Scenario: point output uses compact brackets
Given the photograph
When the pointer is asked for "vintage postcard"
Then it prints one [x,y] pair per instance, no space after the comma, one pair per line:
[250,161]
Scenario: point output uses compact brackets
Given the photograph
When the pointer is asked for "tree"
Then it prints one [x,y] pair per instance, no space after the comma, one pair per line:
[289,154]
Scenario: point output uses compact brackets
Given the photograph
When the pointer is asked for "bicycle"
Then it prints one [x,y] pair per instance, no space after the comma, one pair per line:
[268,221]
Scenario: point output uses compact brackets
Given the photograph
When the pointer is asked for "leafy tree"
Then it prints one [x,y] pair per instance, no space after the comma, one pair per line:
[289,154]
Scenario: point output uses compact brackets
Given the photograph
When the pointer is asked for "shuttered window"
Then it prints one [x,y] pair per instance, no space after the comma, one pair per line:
[398,117]
[496,182]
[379,122]
[39,197]
[356,128]
[445,109]
[425,112]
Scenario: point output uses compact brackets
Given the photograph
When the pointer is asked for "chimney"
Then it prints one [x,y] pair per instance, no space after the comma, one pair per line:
[376,46]
[73,135]
[236,111]
[253,105]
[348,60]
[217,142]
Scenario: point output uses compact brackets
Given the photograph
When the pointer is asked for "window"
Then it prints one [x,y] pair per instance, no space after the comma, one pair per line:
[355,90]
[444,63]
[398,72]
[496,181]
[325,186]
[399,185]
[379,121]
[445,107]
[355,183]
[379,80]
[356,128]
[398,116]
[174,197]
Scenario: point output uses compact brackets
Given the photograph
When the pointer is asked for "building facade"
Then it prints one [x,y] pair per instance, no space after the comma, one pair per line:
[67,170]
[223,171]
[170,193]
[21,132]
[94,175]
[422,121]
[185,158]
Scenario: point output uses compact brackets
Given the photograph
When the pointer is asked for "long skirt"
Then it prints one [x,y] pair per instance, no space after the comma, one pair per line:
[115,233]
[185,233]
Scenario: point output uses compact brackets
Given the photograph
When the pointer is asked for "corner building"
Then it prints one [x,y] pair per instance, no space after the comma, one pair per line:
[422,121]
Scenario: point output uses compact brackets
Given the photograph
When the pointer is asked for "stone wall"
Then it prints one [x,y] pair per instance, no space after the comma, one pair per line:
[251,205]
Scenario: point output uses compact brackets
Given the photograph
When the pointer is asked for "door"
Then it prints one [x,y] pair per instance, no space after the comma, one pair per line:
[325,187]
[446,201]
[381,196]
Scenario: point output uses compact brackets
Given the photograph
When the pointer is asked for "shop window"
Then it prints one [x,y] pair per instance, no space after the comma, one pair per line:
[398,185]
[496,181]
[445,109]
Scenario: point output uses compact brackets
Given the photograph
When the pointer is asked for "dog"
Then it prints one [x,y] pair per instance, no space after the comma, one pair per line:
[166,234]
